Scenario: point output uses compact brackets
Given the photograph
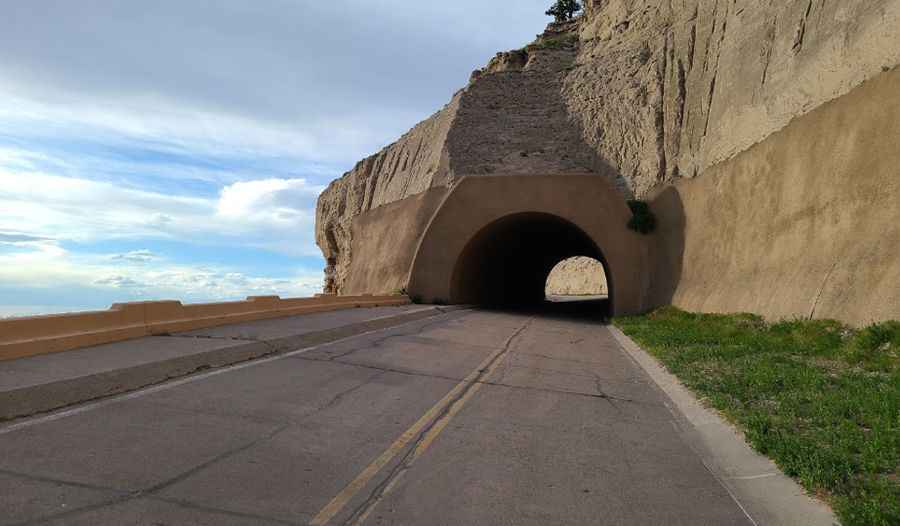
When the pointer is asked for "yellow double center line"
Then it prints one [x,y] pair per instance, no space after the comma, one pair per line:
[425,431]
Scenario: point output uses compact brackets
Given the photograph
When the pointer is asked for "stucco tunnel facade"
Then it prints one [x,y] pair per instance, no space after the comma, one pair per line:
[495,239]
[508,261]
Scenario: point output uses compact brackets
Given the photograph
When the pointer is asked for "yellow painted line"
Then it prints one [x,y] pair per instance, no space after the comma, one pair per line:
[339,502]
[429,438]
[454,409]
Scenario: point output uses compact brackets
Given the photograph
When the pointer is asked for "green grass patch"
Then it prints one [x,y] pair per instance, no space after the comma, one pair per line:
[819,398]
[563,41]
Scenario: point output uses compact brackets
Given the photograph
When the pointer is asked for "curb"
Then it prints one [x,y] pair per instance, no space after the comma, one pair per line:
[43,398]
[765,494]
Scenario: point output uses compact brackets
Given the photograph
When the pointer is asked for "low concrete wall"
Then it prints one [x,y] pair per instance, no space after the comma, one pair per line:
[805,224]
[32,336]
[385,241]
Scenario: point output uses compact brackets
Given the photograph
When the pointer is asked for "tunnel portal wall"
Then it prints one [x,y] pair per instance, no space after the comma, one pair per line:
[385,241]
[586,208]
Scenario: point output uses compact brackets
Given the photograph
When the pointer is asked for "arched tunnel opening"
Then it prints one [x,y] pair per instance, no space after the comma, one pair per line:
[507,263]
[577,278]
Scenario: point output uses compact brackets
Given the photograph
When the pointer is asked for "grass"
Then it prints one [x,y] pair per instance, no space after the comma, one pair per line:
[819,398]
[563,41]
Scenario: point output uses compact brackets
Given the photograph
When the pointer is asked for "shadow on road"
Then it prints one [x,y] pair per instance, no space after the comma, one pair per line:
[584,309]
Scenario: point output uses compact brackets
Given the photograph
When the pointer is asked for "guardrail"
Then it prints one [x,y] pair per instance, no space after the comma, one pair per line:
[36,335]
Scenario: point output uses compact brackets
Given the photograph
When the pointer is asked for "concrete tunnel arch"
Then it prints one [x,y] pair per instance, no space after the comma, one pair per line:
[495,239]
[500,266]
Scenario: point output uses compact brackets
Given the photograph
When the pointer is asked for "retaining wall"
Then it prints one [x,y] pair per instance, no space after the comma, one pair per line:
[805,224]
[31,336]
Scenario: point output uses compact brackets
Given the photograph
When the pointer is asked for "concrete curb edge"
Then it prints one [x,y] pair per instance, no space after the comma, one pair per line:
[767,496]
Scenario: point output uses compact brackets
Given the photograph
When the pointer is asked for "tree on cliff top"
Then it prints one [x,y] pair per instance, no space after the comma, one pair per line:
[564,10]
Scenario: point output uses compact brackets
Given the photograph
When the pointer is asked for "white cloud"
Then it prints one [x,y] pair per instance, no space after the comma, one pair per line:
[21,159]
[119,282]
[11,238]
[198,120]
[176,128]
[40,267]
[273,214]
[29,246]
[274,77]
[135,256]
[267,199]
[40,212]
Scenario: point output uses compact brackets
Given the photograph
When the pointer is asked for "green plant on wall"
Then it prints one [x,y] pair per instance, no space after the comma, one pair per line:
[564,10]
[642,218]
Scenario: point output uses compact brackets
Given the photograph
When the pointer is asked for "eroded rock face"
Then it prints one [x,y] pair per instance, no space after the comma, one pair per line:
[667,89]
[640,91]
[579,276]
[415,163]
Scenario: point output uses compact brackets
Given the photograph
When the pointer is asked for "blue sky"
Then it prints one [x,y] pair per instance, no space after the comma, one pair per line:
[175,149]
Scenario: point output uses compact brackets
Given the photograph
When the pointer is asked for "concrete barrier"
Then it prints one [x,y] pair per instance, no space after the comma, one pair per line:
[36,335]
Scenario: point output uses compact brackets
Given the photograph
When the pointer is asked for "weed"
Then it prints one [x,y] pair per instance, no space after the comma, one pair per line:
[877,347]
[820,398]
[642,218]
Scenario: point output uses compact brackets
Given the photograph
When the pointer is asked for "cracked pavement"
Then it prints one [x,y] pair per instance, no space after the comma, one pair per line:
[566,430]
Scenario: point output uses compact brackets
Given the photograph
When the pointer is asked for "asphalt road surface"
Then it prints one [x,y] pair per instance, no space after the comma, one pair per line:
[470,418]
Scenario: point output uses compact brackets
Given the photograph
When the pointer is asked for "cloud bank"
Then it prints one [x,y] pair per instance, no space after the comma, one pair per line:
[175,148]
[275,214]
[326,81]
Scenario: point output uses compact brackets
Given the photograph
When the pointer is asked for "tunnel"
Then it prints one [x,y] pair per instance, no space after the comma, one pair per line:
[493,241]
[508,261]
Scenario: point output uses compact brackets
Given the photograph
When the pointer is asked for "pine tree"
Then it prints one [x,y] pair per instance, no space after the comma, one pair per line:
[564,10]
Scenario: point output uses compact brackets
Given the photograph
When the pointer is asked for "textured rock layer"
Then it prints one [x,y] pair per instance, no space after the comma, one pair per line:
[641,91]
[579,276]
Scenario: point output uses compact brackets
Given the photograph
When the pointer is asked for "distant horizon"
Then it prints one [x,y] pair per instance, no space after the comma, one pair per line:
[166,151]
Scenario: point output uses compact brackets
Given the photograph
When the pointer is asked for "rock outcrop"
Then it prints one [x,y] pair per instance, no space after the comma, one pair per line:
[640,91]
[667,89]
[578,276]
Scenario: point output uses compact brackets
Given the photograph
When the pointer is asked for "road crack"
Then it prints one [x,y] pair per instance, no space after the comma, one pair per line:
[379,342]
[406,462]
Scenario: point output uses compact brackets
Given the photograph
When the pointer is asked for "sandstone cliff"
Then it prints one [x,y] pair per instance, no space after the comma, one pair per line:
[578,276]
[640,91]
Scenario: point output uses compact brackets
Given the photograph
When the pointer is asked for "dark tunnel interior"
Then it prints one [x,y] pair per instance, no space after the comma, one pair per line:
[507,263]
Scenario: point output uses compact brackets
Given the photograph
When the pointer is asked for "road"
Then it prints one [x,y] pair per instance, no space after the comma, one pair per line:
[472,417]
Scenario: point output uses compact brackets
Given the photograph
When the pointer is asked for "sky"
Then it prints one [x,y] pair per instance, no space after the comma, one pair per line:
[174,149]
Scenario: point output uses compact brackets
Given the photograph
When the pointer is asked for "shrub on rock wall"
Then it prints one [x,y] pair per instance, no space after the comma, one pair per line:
[642,218]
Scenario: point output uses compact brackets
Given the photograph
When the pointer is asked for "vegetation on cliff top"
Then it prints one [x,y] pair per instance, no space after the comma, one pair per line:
[564,10]
[820,398]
